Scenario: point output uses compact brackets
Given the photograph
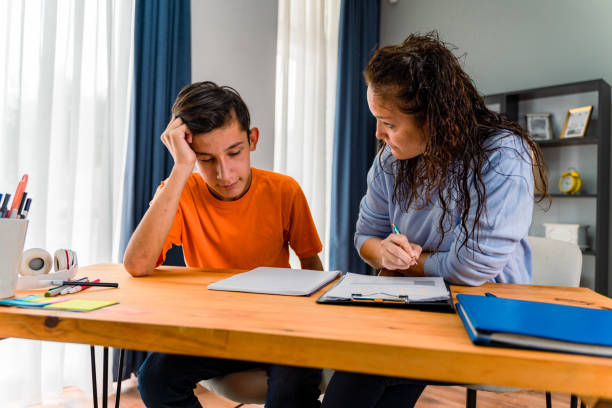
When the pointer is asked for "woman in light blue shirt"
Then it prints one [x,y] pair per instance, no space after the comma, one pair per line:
[456,178]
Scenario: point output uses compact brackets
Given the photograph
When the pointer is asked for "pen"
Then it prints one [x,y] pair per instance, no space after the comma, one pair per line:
[21,203]
[26,209]
[67,289]
[20,189]
[3,209]
[16,213]
[77,283]
[79,288]
[58,289]
[397,231]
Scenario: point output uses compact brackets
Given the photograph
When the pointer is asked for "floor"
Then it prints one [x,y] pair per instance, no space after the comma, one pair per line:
[448,397]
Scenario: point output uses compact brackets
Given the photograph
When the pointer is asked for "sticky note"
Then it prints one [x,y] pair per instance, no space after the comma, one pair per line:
[20,303]
[34,299]
[81,305]
[28,301]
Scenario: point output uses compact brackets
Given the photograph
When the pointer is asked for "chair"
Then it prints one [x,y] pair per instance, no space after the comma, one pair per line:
[249,387]
[554,263]
[245,387]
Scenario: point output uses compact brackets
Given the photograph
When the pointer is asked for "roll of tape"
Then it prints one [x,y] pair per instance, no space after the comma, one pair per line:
[64,259]
[35,261]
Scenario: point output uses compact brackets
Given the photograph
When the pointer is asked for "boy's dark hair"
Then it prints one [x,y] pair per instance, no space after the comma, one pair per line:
[205,106]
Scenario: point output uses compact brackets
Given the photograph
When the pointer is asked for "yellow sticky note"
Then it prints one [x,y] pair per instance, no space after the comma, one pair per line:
[81,305]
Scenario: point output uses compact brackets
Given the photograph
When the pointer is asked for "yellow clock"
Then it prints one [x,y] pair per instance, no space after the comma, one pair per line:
[570,182]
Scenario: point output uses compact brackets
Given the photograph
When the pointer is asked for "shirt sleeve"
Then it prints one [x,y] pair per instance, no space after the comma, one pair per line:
[175,233]
[508,179]
[373,220]
[302,232]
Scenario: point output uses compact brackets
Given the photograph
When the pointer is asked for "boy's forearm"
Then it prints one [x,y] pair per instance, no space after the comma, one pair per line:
[312,263]
[147,241]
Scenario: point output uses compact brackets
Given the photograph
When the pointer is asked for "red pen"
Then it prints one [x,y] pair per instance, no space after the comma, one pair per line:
[17,197]
[80,288]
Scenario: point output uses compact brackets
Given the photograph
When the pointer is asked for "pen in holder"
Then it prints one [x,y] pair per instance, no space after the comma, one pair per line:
[12,238]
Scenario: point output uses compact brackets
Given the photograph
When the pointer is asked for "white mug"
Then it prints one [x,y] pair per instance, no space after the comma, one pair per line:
[12,238]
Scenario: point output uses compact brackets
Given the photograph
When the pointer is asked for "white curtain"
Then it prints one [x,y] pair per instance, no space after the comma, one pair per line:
[65,76]
[306,62]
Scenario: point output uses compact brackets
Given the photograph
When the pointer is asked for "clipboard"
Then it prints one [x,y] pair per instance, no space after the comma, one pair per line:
[388,299]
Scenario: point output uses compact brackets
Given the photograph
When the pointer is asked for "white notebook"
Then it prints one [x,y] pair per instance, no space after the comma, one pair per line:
[277,281]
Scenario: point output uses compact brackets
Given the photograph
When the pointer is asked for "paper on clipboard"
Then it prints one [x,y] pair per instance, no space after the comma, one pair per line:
[411,289]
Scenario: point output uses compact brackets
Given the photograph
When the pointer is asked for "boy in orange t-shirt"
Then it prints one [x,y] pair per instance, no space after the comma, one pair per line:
[225,215]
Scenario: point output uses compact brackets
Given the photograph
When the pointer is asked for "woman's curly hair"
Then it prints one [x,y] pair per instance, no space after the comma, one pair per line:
[424,78]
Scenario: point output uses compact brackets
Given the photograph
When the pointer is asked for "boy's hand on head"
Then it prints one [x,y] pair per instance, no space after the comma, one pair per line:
[177,138]
[397,253]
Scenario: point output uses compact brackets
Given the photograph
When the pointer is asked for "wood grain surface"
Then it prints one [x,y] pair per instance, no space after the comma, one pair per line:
[173,311]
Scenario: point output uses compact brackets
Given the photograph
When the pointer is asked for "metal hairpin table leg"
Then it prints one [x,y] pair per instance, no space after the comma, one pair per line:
[119,376]
[105,380]
[573,401]
[470,400]
[94,384]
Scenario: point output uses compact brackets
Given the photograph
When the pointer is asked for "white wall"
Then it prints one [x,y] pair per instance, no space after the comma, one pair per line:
[513,44]
[233,43]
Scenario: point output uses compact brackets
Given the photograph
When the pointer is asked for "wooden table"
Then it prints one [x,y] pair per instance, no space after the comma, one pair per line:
[172,311]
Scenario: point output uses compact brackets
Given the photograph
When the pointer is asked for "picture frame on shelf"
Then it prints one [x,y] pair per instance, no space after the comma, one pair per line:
[538,126]
[577,122]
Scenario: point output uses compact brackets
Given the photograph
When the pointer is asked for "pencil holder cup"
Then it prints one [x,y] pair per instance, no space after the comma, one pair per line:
[12,238]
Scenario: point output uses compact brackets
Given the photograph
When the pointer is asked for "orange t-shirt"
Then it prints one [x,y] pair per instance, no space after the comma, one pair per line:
[253,231]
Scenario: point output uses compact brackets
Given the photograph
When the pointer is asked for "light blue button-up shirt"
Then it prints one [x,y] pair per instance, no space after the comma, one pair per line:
[501,254]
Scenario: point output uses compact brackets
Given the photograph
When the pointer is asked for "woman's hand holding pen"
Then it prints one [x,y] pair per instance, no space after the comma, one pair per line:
[177,138]
[397,253]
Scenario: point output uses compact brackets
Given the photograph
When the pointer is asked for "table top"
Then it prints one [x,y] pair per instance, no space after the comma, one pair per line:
[172,311]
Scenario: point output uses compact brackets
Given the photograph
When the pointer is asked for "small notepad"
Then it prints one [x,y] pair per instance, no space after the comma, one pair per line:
[80,305]
[29,301]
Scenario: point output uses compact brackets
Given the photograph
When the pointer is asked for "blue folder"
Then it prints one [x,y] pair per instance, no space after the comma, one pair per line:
[518,323]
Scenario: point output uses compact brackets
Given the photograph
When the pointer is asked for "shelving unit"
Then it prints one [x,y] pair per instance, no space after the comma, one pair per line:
[589,155]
